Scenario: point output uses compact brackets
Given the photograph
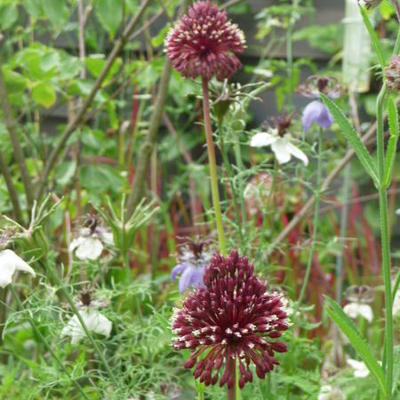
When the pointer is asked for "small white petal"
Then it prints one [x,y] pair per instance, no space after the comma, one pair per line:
[295,151]
[76,243]
[89,248]
[262,139]
[396,303]
[360,369]
[9,263]
[282,151]
[98,323]
[366,312]
[355,310]
[107,237]
[94,321]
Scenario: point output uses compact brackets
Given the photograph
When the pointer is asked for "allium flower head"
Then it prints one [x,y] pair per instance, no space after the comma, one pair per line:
[316,112]
[233,318]
[205,43]
[392,73]
[193,258]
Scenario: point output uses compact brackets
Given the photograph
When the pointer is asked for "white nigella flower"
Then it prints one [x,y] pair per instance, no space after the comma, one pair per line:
[327,392]
[359,298]
[94,321]
[354,310]
[398,211]
[90,242]
[359,367]
[9,264]
[281,145]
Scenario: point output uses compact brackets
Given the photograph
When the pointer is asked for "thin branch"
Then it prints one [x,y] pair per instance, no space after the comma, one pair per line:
[147,148]
[138,188]
[119,45]
[11,189]
[11,126]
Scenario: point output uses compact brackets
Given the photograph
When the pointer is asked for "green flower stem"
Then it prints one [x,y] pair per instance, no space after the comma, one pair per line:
[213,167]
[46,344]
[82,322]
[240,165]
[317,196]
[231,392]
[385,244]
[230,173]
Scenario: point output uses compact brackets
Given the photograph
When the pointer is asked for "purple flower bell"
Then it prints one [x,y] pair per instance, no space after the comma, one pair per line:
[316,112]
[193,259]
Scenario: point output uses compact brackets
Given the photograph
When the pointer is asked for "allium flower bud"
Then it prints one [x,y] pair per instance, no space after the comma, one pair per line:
[233,318]
[392,73]
[204,43]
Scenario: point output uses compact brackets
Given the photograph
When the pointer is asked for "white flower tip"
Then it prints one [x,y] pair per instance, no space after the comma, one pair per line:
[9,263]
[262,139]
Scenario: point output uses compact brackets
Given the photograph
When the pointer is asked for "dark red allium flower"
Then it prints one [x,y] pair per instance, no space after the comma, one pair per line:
[231,319]
[204,43]
[392,73]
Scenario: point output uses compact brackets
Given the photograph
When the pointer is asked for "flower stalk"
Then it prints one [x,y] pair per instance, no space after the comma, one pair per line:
[317,196]
[385,243]
[213,166]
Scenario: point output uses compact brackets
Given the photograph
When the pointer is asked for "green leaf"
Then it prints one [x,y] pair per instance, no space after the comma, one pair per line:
[33,7]
[158,40]
[44,94]
[374,38]
[57,12]
[8,15]
[393,118]
[96,63]
[352,137]
[51,60]
[362,348]
[109,13]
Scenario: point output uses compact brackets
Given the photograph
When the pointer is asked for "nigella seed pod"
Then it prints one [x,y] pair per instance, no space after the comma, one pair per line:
[232,320]
[392,73]
[205,43]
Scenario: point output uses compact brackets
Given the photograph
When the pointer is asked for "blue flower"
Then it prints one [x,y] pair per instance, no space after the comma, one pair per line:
[191,276]
[193,260]
[316,112]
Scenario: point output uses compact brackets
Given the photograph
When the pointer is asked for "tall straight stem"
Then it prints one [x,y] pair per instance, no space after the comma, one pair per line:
[231,393]
[230,173]
[317,196]
[385,244]
[46,344]
[213,167]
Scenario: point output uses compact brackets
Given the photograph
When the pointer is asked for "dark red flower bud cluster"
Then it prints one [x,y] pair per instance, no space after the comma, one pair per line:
[392,73]
[232,318]
[204,43]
